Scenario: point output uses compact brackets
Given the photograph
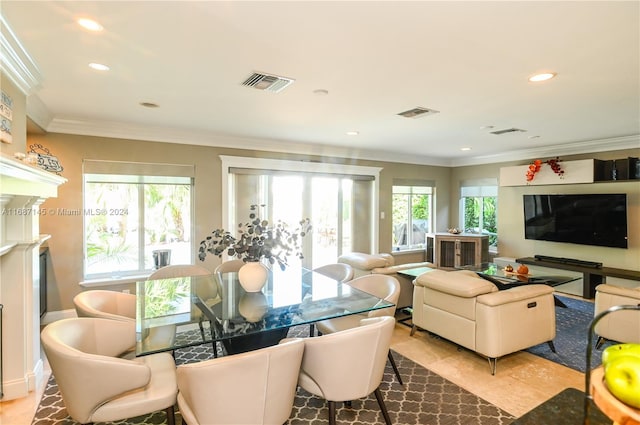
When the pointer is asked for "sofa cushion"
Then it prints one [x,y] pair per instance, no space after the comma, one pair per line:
[458,283]
[399,267]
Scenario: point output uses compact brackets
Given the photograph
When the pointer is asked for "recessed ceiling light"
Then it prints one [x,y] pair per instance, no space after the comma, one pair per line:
[149,105]
[321,92]
[352,133]
[534,137]
[98,66]
[542,77]
[465,149]
[89,24]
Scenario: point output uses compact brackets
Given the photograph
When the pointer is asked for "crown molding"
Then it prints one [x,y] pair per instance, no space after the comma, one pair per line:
[169,135]
[574,148]
[15,62]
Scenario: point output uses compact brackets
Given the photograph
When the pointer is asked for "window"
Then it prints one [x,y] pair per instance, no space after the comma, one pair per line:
[478,208]
[412,216]
[128,216]
[339,201]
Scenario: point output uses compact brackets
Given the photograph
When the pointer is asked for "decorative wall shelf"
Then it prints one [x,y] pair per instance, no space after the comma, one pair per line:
[575,172]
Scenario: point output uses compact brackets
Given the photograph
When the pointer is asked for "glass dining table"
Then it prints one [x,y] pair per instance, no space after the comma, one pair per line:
[187,311]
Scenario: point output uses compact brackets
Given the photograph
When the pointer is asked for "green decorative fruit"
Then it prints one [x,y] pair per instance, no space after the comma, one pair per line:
[622,375]
[614,351]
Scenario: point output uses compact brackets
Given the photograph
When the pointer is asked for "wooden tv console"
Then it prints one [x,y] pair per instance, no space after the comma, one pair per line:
[591,276]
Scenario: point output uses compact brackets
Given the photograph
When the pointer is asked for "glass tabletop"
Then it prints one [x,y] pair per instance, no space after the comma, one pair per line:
[192,310]
[536,275]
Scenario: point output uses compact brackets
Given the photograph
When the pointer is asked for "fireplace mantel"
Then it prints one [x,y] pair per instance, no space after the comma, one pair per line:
[23,189]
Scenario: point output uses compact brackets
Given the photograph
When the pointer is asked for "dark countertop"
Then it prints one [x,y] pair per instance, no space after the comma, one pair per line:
[565,408]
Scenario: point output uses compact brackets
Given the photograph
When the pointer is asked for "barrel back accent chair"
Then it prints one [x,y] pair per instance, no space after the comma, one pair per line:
[341,272]
[106,304]
[229,266]
[98,386]
[382,286]
[621,326]
[470,311]
[256,387]
[348,365]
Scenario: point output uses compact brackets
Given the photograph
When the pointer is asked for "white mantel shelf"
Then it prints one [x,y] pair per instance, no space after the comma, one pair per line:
[19,178]
[575,172]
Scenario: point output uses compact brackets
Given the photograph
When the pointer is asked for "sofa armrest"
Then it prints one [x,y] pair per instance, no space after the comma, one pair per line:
[619,290]
[458,283]
[517,293]
[399,267]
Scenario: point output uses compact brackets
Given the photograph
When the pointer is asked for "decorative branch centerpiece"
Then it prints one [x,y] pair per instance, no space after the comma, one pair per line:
[257,241]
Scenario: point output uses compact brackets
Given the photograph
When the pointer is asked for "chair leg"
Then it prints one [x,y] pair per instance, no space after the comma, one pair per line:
[600,342]
[413,330]
[201,328]
[171,416]
[383,408]
[395,368]
[312,330]
[551,346]
[332,412]
[493,364]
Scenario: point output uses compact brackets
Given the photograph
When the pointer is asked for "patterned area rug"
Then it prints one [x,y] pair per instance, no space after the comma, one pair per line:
[425,398]
[572,325]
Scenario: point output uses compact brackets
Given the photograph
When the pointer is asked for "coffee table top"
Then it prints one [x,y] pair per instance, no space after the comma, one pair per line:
[535,275]
[415,272]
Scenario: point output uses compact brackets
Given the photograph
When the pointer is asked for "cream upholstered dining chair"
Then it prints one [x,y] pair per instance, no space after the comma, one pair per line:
[256,387]
[382,286]
[229,266]
[621,326]
[179,270]
[106,304]
[96,385]
[348,365]
[341,272]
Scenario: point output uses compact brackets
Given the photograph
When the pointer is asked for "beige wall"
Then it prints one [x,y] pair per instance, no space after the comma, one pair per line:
[19,118]
[511,241]
[66,244]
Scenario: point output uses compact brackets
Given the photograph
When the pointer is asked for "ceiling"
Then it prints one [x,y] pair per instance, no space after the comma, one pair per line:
[468,60]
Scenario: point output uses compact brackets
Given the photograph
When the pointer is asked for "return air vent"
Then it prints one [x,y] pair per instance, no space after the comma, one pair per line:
[418,112]
[267,82]
[508,130]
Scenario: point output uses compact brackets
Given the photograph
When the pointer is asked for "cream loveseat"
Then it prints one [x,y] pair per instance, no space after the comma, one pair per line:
[470,311]
[363,264]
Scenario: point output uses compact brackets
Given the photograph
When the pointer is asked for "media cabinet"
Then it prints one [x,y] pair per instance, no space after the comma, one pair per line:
[591,276]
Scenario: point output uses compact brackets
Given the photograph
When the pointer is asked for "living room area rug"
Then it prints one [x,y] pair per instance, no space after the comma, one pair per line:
[572,326]
[425,398]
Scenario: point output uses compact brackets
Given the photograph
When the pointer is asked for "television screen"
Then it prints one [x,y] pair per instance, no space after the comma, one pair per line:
[592,219]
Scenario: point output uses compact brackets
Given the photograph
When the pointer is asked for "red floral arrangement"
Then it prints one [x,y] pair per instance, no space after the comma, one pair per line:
[535,166]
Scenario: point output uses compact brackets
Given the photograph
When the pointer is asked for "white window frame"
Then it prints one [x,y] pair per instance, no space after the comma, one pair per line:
[300,167]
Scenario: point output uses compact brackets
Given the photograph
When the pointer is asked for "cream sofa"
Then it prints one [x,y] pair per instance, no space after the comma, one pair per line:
[363,264]
[470,311]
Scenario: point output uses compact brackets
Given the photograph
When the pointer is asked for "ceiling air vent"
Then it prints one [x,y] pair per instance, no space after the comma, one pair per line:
[418,112]
[267,82]
[508,130]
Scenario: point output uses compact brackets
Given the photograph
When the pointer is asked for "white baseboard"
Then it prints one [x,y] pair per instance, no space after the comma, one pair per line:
[53,316]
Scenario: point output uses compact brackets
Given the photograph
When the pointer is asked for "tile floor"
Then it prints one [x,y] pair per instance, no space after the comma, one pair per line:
[522,380]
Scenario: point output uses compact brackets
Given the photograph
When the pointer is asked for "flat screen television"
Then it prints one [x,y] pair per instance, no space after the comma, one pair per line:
[591,219]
